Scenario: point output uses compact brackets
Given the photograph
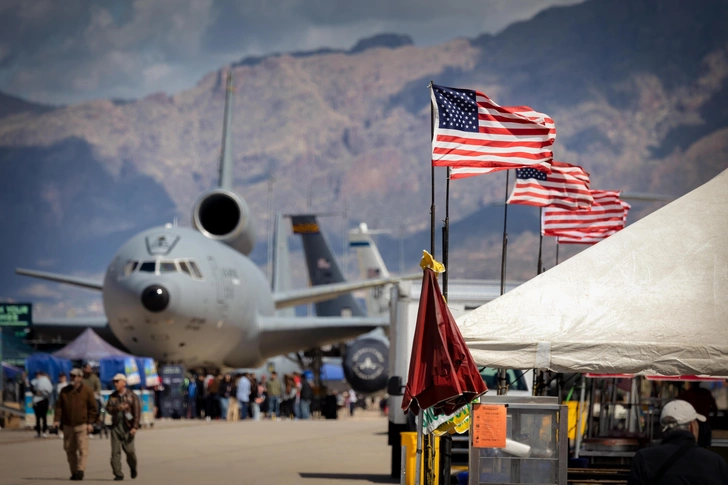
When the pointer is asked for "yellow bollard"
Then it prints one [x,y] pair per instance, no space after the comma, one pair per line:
[408,439]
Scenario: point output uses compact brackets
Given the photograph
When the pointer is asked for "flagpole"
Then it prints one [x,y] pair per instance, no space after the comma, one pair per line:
[557,251]
[446,235]
[432,184]
[540,243]
[505,239]
[502,376]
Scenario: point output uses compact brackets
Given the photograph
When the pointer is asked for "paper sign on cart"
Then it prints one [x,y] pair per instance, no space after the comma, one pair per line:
[489,426]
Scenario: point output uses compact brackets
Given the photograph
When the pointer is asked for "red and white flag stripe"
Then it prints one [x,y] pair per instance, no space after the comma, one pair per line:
[506,137]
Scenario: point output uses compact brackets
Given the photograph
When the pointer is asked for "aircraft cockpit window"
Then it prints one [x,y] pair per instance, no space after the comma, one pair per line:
[183,266]
[195,270]
[167,267]
[148,266]
[130,267]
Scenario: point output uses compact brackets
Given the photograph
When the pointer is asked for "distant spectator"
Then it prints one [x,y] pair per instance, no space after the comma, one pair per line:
[192,398]
[42,391]
[273,387]
[226,390]
[306,396]
[91,380]
[242,395]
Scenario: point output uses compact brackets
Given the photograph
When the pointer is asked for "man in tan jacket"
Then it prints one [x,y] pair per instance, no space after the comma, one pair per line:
[76,410]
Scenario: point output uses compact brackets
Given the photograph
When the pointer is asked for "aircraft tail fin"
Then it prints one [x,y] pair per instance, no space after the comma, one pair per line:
[281,267]
[371,266]
[226,155]
[323,268]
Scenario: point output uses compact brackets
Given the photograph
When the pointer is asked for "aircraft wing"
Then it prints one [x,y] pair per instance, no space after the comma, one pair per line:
[95,322]
[60,278]
[291,334]
[327,292]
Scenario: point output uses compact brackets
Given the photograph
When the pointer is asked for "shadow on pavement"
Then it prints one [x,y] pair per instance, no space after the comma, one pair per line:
[368,477]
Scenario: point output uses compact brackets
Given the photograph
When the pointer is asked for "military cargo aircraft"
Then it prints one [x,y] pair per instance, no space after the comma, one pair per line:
[192,295]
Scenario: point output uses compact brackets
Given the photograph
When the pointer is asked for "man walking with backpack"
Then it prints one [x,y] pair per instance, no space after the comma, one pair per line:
[125,411]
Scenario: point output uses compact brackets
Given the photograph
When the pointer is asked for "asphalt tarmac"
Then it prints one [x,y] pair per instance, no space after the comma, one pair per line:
[345,451]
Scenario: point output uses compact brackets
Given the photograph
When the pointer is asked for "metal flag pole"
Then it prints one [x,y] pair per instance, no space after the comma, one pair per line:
[502,375]
[540,243]
[446,235]
[557,251]
[432,183]
[505,239]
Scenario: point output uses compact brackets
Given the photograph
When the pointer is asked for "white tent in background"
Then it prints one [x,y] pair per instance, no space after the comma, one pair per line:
[652,299]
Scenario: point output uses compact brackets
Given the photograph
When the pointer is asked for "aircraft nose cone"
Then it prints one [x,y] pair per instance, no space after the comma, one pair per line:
[155,298]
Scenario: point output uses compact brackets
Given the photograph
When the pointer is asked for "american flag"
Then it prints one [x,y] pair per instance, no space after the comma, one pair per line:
[607,213]
[472,132]
[566,187]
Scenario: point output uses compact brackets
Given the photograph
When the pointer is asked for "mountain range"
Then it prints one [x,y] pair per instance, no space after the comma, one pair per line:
[637,90]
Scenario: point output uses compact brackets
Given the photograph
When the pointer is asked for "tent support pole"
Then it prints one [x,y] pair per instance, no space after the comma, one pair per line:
[577,445]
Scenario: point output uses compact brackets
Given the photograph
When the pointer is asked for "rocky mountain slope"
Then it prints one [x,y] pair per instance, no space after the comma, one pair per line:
[637,89]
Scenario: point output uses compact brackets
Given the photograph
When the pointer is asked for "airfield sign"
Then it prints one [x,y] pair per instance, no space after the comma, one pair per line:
[16,314]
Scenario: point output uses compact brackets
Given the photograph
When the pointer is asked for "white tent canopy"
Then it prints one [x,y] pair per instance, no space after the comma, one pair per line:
[652,299]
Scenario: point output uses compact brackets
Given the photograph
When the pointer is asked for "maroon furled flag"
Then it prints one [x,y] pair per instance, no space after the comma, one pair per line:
[607,213]
[566,187]
[471,131]
[442,374]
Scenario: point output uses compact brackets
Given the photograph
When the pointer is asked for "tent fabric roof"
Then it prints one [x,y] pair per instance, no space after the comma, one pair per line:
[89,346]
[651,299]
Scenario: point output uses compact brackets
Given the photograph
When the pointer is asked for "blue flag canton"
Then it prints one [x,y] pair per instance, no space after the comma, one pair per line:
[530,173]
[457,108]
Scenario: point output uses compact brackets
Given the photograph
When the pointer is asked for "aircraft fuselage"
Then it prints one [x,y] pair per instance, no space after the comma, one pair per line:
[172,294]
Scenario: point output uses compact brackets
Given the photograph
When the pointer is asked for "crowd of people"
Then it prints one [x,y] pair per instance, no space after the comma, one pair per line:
[246,396]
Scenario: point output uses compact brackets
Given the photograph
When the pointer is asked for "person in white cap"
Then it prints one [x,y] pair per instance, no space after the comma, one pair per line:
[678,460]
[124,408]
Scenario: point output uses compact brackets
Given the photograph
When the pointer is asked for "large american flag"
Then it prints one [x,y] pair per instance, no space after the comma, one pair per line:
[471,131]
[607,213]
[566,187]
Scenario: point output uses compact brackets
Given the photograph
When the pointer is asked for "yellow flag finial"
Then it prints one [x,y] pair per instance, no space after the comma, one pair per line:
[428,261]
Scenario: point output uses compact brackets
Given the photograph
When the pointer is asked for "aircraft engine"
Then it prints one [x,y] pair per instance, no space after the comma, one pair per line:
[224,216]
[366,365]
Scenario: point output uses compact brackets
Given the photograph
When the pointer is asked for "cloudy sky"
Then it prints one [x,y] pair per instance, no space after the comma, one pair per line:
[73,50]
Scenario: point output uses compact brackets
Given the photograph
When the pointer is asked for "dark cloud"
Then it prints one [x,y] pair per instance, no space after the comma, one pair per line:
[60,52]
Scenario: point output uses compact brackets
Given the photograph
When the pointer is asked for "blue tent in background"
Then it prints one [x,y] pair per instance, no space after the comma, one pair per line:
[142,372]
[47,363]
[11,372]
[332,372]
